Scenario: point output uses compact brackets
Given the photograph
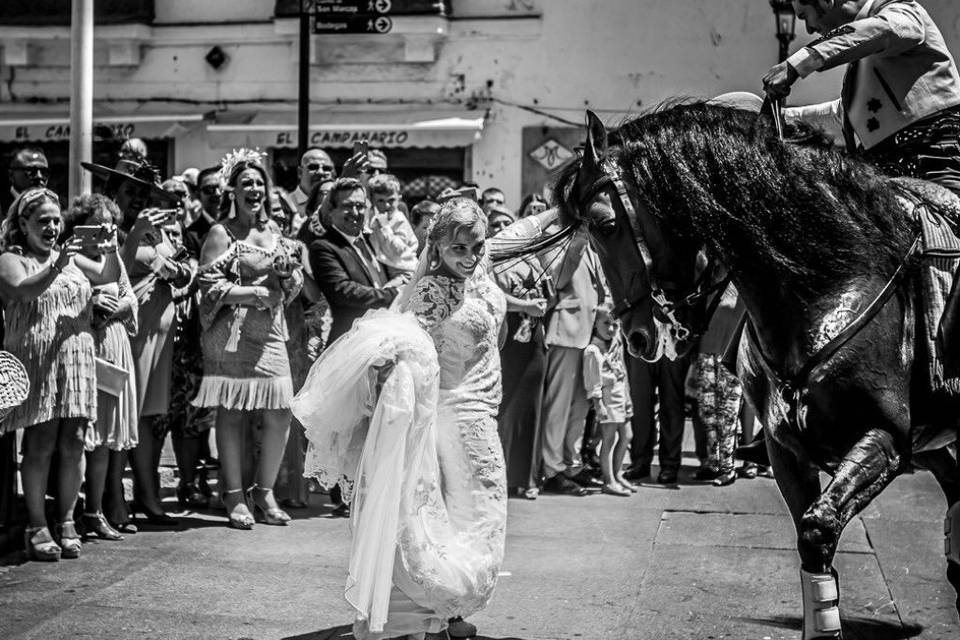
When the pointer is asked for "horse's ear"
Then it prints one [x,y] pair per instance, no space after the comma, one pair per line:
[595,149]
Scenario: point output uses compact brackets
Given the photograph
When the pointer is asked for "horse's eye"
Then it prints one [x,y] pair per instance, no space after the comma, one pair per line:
[606,227]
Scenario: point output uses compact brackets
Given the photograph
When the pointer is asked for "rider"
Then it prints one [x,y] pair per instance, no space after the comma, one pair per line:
[900,102]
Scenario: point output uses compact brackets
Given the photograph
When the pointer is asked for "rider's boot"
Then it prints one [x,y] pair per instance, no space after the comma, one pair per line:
[821,611]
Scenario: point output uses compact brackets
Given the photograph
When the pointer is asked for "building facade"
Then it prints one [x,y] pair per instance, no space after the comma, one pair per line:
[483,91]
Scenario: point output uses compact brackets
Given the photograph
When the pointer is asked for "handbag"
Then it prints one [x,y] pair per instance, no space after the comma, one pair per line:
[14,383]
[111,379]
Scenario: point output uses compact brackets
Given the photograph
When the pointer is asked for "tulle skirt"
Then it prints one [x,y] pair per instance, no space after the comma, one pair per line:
[428,531]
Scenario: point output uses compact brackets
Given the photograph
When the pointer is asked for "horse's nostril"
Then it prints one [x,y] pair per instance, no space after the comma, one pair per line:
[637,342]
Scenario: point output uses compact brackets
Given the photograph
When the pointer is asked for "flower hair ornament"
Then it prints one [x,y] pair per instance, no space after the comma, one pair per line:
[228,164]
[235,157]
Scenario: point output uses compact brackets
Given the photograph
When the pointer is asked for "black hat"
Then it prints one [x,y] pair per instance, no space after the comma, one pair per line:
[141,174]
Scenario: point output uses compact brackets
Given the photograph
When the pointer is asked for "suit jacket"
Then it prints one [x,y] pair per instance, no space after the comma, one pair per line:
[195,234]
[345,283]
[899,71]
[580,288]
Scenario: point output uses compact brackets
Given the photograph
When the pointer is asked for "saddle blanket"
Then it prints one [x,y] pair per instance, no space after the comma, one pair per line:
[937,212]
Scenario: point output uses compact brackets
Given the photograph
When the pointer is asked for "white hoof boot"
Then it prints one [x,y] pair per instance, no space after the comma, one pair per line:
[951,534]
[821,612]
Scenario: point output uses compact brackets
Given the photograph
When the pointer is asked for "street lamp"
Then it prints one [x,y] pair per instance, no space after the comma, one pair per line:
[786,25]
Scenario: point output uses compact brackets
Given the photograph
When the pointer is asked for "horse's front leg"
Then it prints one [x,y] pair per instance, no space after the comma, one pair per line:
[864,472]
[799,482]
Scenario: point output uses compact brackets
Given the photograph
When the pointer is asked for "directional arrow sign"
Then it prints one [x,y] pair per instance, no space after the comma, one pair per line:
[341,8]
[361,23]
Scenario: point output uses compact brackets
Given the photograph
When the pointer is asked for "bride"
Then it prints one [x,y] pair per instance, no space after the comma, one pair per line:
[401,413]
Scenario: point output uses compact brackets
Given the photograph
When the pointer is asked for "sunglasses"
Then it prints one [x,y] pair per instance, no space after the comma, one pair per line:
[211,190]
[31,171]
[316,166]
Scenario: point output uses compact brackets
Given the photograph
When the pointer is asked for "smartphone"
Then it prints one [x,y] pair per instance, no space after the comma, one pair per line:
[361,147]
[170,216]
[93,237]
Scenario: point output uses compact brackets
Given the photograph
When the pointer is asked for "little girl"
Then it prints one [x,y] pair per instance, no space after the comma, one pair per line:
[605,379]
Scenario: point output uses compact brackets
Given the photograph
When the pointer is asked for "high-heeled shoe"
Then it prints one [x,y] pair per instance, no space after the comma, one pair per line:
[238,516]
[153,517]
[97,524]
[189,496]
[270,515]
[69,540]
[40,545]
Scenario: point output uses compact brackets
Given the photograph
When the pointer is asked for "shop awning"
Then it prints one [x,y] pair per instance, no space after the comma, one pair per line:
[21,127]
[403,129]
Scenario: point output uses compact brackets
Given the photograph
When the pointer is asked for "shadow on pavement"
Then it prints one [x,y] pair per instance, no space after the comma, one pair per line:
[853,628]
[344,632]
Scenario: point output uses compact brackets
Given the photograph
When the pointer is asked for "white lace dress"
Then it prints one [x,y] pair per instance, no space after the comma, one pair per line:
[418,452]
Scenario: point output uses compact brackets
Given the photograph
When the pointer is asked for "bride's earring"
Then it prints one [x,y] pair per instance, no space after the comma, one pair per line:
[434,258]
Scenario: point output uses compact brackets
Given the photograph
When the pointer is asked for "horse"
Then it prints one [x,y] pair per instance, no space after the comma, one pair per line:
[825,252]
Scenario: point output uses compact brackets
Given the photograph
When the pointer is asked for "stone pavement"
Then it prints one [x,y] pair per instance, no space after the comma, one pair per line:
[689,562]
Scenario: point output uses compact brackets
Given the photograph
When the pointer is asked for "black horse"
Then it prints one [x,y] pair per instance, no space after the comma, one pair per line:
[825,252]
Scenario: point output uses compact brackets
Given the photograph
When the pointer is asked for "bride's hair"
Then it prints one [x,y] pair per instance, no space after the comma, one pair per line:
[457,214]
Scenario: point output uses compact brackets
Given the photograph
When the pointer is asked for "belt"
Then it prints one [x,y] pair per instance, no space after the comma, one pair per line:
[922,132]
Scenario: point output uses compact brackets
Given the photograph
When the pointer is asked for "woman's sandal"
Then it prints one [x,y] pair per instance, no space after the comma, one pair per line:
[96,523]
[271,515]
[237,518]
[614,489]
[40,545]
[69,540]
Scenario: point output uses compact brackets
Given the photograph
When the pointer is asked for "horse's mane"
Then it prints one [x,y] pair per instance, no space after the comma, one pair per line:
[805,214]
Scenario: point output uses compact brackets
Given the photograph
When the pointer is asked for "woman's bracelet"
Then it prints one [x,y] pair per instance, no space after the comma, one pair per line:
[54,267]
[261,303]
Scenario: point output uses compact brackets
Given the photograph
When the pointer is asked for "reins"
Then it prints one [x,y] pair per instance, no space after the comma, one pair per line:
[792,388]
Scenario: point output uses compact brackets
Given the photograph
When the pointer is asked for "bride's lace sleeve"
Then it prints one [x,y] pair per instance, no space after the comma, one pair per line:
[432,301]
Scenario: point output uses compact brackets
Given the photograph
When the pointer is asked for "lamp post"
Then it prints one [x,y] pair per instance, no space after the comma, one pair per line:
[786,25]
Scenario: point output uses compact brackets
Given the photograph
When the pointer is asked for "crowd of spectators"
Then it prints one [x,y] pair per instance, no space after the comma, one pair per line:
[194,306]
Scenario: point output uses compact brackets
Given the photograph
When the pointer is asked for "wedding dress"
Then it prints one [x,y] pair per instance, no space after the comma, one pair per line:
[401,413]
[420,460]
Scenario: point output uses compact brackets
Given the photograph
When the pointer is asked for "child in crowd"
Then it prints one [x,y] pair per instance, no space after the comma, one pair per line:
[605,379]
[392,237]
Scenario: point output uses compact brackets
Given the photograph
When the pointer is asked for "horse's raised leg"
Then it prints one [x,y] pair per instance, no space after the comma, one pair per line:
[946,470]
[864,472]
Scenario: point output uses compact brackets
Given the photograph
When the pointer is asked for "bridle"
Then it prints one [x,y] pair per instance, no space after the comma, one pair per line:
[611,178]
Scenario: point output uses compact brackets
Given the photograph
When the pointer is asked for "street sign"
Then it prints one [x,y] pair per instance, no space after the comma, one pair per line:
[343,8]
[353,16]
[363,23]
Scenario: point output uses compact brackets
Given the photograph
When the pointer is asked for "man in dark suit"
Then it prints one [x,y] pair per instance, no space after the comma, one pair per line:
[342,260]
[344,268]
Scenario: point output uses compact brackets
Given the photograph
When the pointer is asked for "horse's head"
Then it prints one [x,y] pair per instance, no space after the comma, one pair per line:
[651,274]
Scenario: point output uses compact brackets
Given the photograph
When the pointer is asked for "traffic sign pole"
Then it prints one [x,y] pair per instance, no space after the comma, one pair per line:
[303,102]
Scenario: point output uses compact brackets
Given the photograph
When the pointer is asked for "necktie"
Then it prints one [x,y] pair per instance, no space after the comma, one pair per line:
[846,98]
[368,261]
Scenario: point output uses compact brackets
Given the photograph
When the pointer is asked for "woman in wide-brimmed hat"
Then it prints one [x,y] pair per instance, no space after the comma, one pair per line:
[155,268]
